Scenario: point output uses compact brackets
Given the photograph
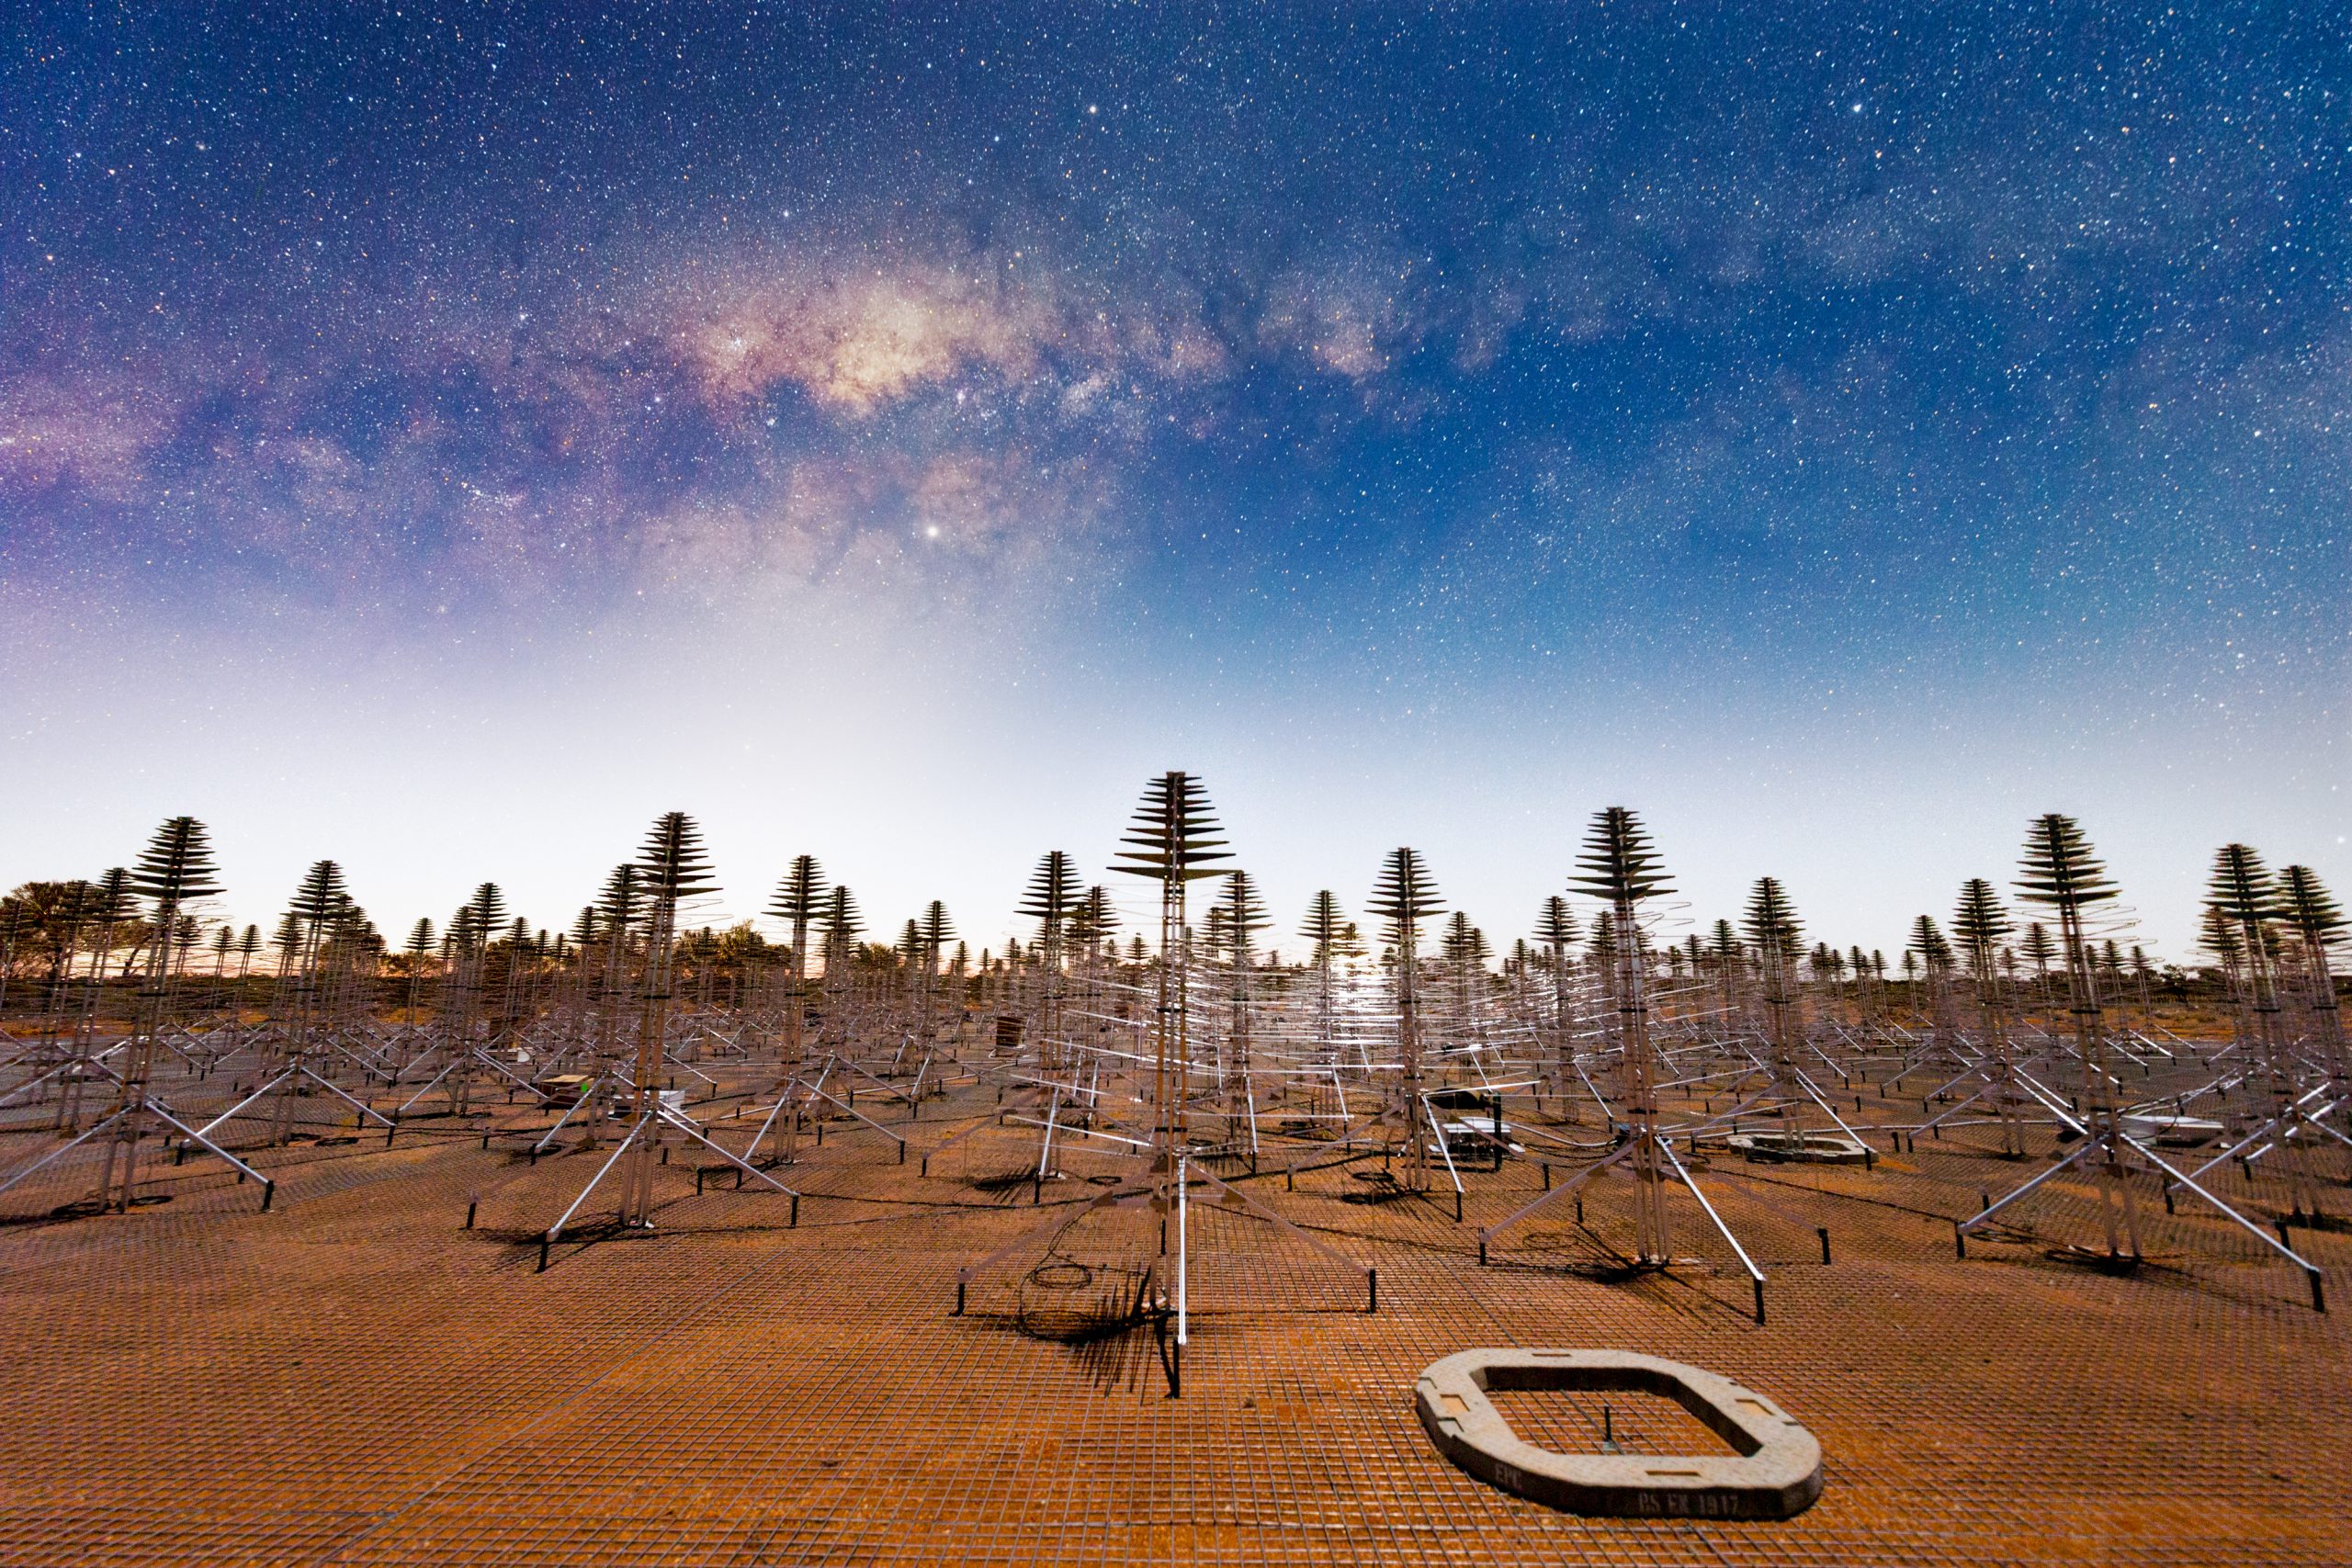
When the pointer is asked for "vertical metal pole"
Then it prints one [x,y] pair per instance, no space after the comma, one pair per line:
[1183,1170]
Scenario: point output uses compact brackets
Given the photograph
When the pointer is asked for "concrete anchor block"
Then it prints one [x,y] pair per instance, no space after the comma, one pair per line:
[1774,1475]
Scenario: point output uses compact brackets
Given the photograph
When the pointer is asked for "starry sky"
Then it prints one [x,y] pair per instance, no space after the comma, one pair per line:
[442,437]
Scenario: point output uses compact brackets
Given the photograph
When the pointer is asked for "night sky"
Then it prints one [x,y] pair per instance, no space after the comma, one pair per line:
[443,437]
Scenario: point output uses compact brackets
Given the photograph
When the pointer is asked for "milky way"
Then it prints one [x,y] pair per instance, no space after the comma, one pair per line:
[1844,433]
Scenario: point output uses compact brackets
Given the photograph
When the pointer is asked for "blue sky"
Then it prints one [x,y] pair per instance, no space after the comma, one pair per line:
[442,438]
